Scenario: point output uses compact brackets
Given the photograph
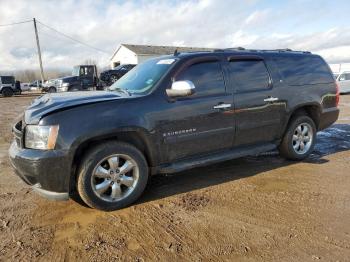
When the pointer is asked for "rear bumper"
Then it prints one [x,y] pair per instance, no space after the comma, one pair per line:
[328,117]
[48,172]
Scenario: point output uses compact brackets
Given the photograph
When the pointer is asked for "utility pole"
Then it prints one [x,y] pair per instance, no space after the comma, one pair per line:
[39,52]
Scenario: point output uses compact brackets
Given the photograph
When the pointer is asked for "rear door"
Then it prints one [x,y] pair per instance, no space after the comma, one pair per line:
[201,123]
[258,110]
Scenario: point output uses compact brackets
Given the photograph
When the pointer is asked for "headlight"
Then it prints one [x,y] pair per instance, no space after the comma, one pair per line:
[40,137]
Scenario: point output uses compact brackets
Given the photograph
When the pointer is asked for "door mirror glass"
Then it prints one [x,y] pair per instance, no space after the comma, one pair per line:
[181,89]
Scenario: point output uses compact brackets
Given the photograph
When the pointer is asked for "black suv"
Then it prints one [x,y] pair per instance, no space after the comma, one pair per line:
[170,114]
[112,75]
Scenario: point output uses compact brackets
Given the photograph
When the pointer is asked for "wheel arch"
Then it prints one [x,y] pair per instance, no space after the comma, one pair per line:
[134,136]
[312,110]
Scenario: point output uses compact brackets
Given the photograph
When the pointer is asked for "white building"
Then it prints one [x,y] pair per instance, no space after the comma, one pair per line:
[135,54]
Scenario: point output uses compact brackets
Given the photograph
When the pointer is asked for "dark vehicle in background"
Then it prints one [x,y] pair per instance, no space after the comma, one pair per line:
[112,75]
[170,114]
[8,86]
[84,77]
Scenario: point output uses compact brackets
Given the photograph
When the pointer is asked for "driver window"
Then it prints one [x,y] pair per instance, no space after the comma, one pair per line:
[207,77]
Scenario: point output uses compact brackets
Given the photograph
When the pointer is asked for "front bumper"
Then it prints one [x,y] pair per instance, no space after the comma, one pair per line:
[47,172]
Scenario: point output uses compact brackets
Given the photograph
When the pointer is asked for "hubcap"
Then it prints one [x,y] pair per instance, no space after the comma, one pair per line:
[115,177]
[113,79]
[302,138]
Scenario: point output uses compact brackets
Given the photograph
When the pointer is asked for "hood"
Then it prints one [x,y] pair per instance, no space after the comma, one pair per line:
[68,78]
[52,102]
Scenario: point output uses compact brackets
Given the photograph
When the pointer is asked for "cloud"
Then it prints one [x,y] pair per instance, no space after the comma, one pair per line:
[257,17]
[207,23]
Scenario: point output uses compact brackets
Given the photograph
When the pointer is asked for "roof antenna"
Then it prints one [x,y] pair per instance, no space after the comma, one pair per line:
[176,53]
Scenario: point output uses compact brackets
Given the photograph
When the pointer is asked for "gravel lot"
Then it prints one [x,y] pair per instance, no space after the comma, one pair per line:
[257,208]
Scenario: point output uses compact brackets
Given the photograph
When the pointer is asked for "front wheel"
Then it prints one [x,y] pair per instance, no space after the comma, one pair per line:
[299,139]
[112,176]
[7,92]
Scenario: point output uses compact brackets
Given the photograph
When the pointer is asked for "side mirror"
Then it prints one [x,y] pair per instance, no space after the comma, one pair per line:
[181,89]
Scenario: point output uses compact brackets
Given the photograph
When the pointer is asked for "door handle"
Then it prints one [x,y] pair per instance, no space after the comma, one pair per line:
[222,106]
[270,99]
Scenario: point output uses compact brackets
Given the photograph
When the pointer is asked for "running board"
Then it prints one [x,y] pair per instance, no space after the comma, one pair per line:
[212,158]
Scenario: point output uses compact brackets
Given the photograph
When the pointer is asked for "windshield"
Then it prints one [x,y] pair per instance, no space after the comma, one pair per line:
[142,78]
[336,76]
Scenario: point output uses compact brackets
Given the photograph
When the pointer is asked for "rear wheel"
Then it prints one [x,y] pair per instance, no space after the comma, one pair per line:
[7,92]
[299,140]
[112,176]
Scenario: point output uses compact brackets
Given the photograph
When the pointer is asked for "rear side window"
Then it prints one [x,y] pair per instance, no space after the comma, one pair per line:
[7,80]
[250,75]
[303,70]
[207,78]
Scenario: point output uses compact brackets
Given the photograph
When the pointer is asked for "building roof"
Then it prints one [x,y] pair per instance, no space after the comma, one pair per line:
[162,50]
[159,50]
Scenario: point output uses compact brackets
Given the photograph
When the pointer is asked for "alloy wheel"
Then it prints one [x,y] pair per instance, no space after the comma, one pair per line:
[115,177]
[302,138]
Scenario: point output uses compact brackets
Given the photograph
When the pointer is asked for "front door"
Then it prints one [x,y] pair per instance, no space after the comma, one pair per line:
[258,110]
[203,122]
[86,77]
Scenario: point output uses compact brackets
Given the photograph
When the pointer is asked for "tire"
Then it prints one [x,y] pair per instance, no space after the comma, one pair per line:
[52,90]
[294,137]
[103,180]
[113,79]
[7,92]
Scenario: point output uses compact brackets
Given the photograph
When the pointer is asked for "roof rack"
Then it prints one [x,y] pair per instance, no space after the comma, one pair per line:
[260,50]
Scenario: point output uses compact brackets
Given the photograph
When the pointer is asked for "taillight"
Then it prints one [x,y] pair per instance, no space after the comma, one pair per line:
[337,94]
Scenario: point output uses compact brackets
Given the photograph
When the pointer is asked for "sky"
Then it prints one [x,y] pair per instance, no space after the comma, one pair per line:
[321,27]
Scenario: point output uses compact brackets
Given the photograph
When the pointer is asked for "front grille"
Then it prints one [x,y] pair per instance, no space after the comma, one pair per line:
[17,131]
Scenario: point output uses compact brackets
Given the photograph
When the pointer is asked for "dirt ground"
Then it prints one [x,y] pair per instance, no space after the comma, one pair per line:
[259,208]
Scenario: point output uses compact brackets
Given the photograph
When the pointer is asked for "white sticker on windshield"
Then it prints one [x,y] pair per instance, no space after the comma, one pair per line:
[165,62]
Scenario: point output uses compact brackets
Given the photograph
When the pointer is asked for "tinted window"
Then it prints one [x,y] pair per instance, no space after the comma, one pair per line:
[142,78]
[249,75]
[303,70]
[207,78]
[7,80]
